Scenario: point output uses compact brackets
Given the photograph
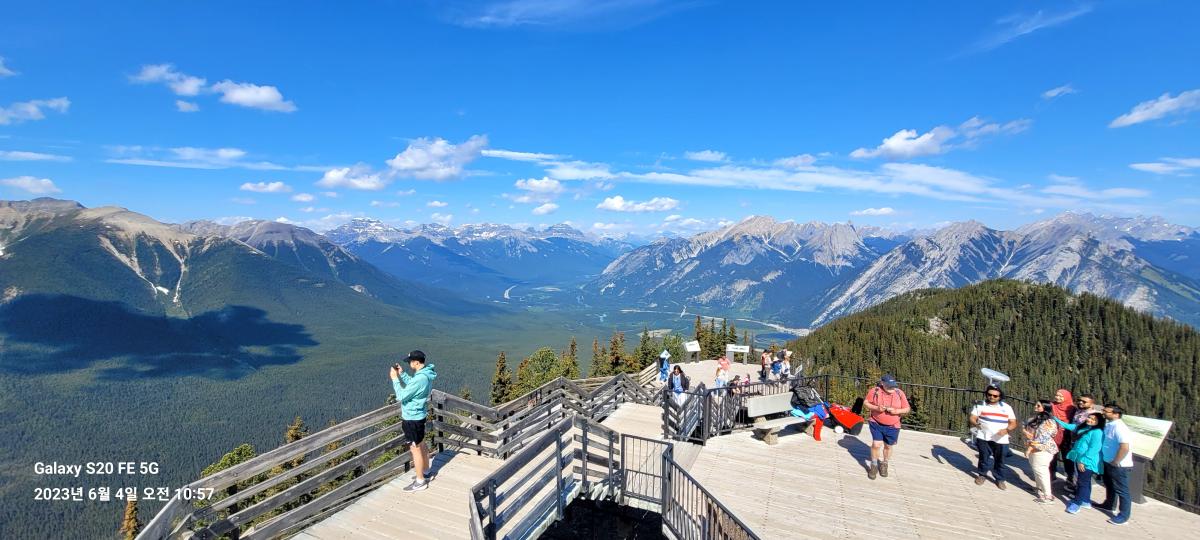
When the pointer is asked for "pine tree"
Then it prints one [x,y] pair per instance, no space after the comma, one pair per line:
[569,363]
[724,335]
[712,346]
[616,353]
[698,333]
[747,342]
[596,369]
[731,337]
[295,431]
[502,383]
[647,353]
[130,525]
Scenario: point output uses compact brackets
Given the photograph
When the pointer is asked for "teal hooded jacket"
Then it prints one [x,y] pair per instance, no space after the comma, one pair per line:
[412,392]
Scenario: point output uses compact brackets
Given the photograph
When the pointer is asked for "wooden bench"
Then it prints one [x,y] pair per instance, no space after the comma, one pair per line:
[760,407]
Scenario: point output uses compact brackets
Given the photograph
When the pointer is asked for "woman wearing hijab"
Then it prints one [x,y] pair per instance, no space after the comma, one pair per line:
[1064,409]
[1040,431]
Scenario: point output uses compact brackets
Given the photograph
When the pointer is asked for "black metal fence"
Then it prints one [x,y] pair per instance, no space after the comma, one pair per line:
[642,469]
[690,512]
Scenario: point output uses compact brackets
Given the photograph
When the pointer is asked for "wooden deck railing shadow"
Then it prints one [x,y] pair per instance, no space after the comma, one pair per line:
[298,483]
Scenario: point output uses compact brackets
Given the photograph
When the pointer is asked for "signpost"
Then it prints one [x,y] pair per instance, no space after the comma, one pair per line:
[732,350]
[1147,435]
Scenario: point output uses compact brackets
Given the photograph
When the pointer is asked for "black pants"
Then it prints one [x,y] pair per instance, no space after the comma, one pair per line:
[1069,468]
[995,451]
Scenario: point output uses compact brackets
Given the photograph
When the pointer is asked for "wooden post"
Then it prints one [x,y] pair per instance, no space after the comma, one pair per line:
[707,417]
[611,443]
[666,482]
[440,434]
[558,467]
[666,407]
[491,529]
[586,484]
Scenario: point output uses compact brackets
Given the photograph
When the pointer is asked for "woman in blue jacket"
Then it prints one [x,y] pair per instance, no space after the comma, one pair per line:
[1089,438]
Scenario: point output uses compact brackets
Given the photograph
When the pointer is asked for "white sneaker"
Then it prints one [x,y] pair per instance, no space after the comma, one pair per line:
[416,486]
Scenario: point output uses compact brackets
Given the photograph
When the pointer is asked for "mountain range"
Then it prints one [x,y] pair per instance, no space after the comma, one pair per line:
[480,261]
[810,273]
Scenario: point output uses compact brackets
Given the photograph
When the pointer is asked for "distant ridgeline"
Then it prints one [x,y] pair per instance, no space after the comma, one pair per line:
[1042,336]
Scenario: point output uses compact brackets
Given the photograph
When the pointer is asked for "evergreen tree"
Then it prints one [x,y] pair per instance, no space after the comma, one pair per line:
[711,347]
[130,525]
[647,352]
[732,336]
[724,335]
[569,363]
[599,359]
[502,383]
[673,343]
[295,431]
[749,343]
[616,353]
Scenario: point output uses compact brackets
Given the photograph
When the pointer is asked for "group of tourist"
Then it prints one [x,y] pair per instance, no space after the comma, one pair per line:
[1089,441]
[777,365]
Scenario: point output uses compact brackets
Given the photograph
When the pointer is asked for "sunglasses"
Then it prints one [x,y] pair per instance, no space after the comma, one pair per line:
[993,395]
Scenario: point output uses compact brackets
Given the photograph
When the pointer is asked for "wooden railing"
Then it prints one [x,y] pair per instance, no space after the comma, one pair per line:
[534,486]
[300,482]
[290,485]
[683,413]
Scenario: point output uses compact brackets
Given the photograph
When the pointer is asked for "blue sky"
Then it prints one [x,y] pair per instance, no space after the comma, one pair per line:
[613,115]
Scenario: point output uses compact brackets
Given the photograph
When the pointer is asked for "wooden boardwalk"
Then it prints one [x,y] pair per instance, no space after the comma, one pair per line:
[802,488]
[799,488]
[438,513]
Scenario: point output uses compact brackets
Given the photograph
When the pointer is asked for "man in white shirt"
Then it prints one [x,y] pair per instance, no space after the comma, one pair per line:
[994,420]
[1118,460]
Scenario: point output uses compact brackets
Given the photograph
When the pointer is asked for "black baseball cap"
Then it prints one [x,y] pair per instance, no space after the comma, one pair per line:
[416,355]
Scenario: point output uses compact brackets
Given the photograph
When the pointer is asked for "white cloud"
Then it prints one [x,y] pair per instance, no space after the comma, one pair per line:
[385,204]
[18,155]
[1059,91]
[908,144]
[884,211]
[357,177]
[578,170]
[519,156]
[1170,166]
[796,162]
[22,111]
[618,203]
[186,106]
[1017,25]
[1058,178]
[267,98]
[707,155]
[546,185]
[243,200]
[4,71]
[560,14]
[437,204]
[266,187]
[444,219]
[180,83]
[1163,106]
[303,197]
[436,159]
[32,185]
[330,194]
[1078,190]
[672,217]
[188,157]
[545,209]
[406,192]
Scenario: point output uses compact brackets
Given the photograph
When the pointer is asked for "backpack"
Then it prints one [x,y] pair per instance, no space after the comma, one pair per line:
[805,397]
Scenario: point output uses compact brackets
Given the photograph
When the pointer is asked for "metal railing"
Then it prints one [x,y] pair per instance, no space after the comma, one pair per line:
[642,469]
[691,512]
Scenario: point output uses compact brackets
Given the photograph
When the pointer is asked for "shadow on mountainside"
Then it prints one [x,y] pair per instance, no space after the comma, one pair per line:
[46,334]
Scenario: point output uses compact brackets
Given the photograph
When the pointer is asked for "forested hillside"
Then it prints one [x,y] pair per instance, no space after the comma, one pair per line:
[1042,336]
